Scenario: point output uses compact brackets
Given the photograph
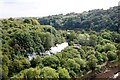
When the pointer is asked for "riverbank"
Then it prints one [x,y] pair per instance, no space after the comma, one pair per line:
[108,72]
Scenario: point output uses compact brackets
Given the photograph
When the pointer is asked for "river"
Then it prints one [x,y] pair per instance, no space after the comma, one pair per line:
[53,50]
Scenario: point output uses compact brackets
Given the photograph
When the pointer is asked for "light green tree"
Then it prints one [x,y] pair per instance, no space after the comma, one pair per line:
[48,72]
[63,73]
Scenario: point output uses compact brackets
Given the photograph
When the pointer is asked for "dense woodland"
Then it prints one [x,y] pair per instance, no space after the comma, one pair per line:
[95,20]
[96,32]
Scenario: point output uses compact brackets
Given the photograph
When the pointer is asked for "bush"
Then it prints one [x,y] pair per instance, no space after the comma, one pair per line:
[111,56]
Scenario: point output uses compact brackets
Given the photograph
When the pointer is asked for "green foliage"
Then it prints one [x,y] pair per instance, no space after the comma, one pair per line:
[63,73]
[106,35]
[99,48]
[111,55]
[93,39]
[96,20]
[72,65]
[83,39]
[100,57]
[71,36]
[31,21]
[115,37]
[28,21]
[25,41]
[82,52]
[37,61]
[48,72]
[5,60]
[4,71]
[51,61]
[70,52]
[32,41]
[72,73]
[92,64]
[109,47]
[31,73]
[18,64]
[0,71]
[81,62]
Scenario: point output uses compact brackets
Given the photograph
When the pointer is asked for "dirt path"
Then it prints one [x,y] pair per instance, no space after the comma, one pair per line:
[108,73]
